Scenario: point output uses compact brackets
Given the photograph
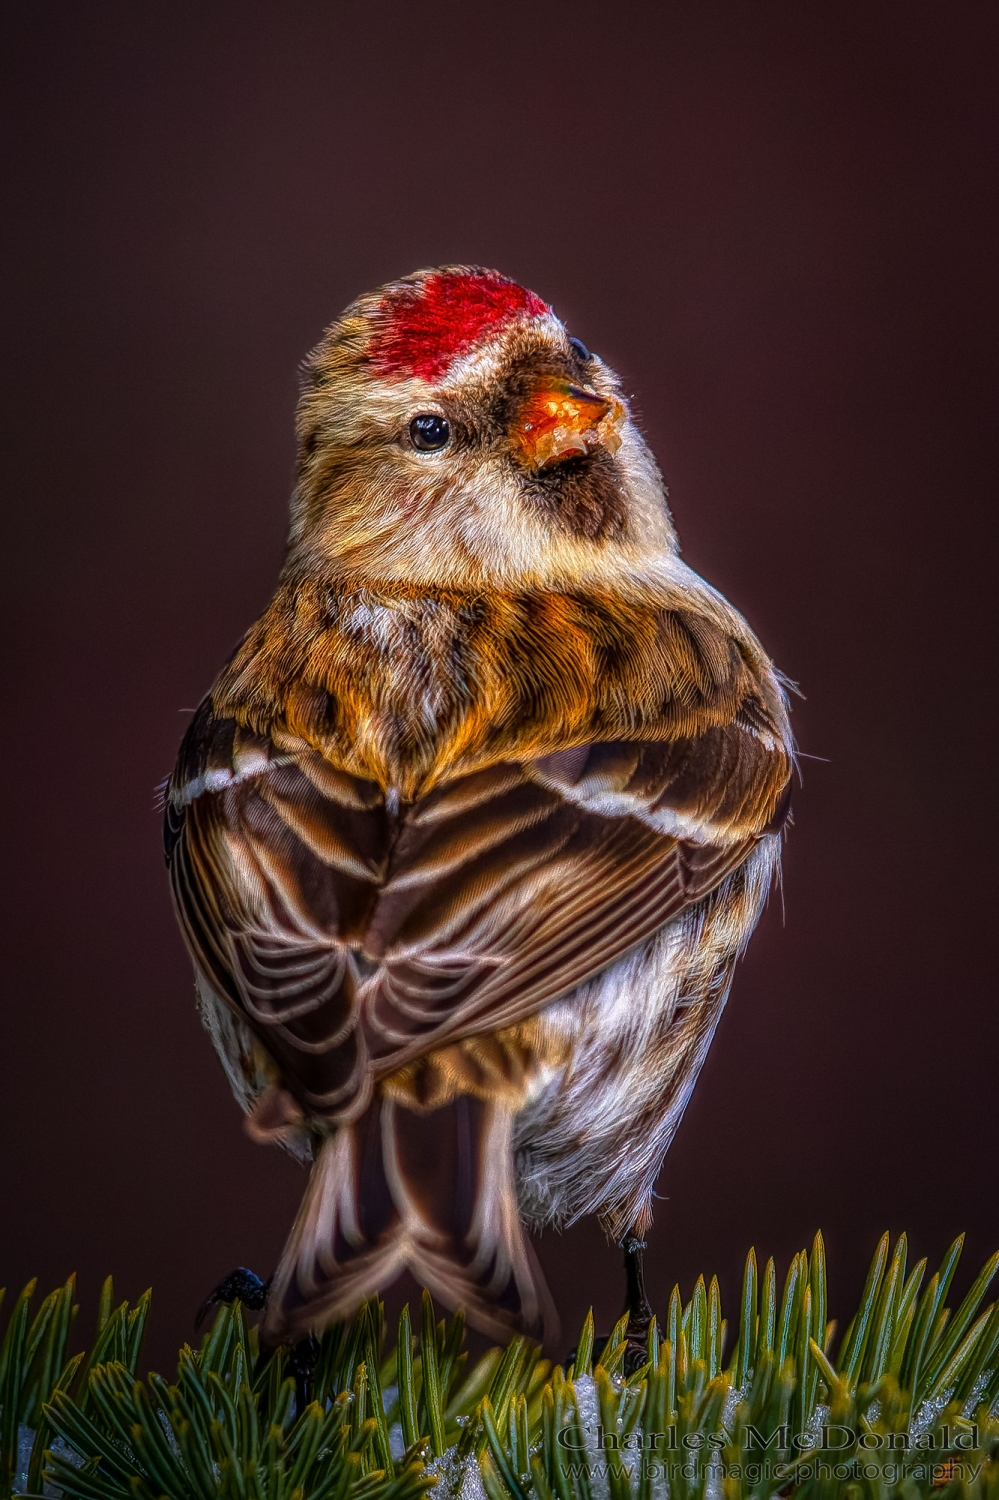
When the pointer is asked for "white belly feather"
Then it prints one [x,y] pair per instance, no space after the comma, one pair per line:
[593,1136]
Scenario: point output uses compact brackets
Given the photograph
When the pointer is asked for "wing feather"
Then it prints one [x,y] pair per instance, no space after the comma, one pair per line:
[352,938]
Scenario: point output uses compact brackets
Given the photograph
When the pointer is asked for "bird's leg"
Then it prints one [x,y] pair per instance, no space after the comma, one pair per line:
[240,1285]
[302,1360]
[640,1314]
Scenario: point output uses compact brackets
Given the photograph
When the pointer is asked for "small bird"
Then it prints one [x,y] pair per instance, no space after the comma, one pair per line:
[470,831]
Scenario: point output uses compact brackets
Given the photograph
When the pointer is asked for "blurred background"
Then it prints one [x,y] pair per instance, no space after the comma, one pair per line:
[777,221]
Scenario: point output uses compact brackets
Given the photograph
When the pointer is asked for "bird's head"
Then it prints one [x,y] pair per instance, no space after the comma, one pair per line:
[452,433]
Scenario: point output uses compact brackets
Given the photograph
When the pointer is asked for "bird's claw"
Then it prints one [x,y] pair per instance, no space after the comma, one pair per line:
[636,1353]
[302,1360]
[241,1285]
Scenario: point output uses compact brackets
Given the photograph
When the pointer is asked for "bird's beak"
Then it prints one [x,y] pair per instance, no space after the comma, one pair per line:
[560,420]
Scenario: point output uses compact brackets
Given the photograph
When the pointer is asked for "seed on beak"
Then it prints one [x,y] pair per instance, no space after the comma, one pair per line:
[560,420]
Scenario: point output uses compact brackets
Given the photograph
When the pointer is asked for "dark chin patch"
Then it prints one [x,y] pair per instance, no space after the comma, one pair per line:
[580,496]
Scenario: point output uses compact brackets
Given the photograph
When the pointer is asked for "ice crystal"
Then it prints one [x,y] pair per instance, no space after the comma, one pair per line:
[456,1478]
[927,1414]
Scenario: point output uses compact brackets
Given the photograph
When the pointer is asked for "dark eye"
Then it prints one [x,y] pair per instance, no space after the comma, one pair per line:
[429,432]
[580,350]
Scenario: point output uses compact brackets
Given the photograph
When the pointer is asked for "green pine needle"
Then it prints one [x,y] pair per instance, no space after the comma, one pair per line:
[909,1407]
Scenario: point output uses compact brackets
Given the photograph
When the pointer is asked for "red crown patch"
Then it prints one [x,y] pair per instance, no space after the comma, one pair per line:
[426,327]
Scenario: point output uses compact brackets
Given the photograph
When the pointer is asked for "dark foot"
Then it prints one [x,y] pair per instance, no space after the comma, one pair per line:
[599,1345]
[640,1314]
[302,1358]
[240,1285]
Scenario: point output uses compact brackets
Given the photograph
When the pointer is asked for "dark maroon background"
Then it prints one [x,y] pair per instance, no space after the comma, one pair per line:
[776,221]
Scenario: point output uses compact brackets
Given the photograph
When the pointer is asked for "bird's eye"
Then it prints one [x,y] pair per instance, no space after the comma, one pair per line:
[580,350]
[429,432]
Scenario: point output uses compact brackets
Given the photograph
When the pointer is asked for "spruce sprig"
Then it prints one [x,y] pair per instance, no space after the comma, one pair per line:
[913,1387]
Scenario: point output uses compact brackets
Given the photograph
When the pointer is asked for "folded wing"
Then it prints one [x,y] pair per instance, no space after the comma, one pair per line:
[351,936]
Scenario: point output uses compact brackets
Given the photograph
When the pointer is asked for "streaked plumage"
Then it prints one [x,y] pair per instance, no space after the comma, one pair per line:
[468,834]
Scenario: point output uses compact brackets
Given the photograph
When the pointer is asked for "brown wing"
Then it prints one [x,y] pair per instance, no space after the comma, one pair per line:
[353,937]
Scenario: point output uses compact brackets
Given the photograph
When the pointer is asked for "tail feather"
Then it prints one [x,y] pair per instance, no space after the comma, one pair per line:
[428,1191]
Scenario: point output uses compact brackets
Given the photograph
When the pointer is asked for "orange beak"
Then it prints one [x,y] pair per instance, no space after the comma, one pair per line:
[560,420]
